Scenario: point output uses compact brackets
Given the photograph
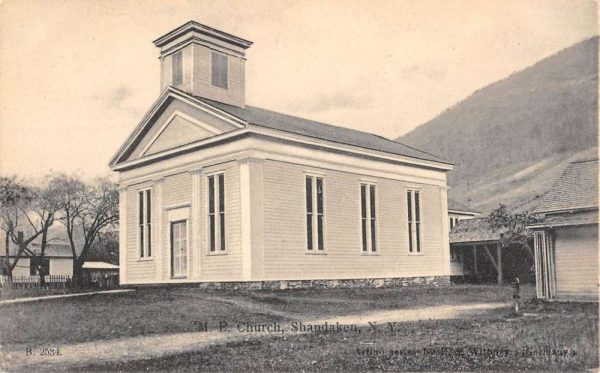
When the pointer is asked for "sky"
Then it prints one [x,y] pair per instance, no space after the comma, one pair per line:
[77,76]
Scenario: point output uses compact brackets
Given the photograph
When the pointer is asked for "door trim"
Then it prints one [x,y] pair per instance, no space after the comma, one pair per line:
[187,248]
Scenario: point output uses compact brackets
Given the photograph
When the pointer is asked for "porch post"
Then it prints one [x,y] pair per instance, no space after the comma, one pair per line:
[475,260]
[499,256]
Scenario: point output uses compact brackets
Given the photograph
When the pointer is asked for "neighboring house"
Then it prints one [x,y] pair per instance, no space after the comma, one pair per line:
[458,211]
[57,260]
[566,241]
[214,190]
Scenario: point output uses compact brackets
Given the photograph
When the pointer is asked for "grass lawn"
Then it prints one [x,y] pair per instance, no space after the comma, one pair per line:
[493,340]
[562,337]
[173,310]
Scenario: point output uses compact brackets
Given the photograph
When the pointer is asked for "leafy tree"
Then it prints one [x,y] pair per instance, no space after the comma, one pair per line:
[512,225]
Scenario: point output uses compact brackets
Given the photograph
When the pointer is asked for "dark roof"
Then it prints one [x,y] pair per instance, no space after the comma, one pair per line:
[576,188]
[457,206]
[474,230]
[569,218]
[283,122]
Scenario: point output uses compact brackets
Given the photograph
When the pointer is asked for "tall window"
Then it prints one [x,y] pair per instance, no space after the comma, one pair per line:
[216,212]
[413,201]
[145,223]
[368,218]
[219,70]
[314,213]
[177,68]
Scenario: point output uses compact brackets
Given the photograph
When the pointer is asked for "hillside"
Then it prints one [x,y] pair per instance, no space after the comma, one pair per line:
[511,139]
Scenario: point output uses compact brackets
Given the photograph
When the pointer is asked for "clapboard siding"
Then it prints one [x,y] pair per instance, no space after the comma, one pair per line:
[576,262]
[138,271]
[226,266]
[286,256]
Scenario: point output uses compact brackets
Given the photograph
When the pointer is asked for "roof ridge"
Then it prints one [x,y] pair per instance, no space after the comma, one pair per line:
[585,160]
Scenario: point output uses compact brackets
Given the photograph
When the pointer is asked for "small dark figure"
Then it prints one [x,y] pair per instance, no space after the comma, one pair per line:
[516,294]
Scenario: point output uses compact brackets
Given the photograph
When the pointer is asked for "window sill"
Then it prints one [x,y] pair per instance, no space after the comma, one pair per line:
[149,259]
[370,254]
[415,254]
[178,277]
[316,253]
[217,253]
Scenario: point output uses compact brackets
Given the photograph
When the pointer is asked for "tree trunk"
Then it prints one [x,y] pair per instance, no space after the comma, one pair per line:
[77,272]
[7,264]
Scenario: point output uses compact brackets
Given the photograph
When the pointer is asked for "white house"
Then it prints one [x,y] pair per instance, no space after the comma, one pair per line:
[214,190]
[566,241]
[458,211]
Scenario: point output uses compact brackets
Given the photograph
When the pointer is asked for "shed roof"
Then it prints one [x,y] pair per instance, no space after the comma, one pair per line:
[576,188]
[99,265]
[305,127]
[568,218]
[474,230]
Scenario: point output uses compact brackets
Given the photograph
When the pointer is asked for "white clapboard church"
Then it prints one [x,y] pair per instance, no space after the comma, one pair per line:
[216,191]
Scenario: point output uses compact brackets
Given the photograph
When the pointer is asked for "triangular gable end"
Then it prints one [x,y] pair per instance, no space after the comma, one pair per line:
[179,129]
[175,119]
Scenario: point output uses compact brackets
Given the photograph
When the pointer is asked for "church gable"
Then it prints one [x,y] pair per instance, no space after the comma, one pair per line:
[174,124]
[179,130]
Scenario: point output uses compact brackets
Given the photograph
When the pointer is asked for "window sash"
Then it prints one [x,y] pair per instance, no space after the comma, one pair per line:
[368,210]
[413,201]
[315,213]
[216,212]
[145,223]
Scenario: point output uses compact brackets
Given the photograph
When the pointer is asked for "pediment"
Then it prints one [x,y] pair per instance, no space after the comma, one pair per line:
[179,129]
[173,121]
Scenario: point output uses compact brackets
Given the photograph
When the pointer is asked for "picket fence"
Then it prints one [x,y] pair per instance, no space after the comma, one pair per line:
[59,281]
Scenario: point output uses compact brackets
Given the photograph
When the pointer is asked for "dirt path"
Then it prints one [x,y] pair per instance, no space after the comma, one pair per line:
[15,359]
[59,296]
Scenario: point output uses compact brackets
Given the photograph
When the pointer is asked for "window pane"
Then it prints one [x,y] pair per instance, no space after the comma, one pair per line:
[211,194]
[149,226]
[409,204]
[418,234]
[410,241]
[177,69]
[222,223]
[319,195]
[372,192]
[373,236]
[141,233]
[221,193]
[417,207]
[320,231]
[363,200]
[308,194]
[309,233]
[141,206]
[148,206]
[451,223]
[212,232]
[219,70]
[364,235]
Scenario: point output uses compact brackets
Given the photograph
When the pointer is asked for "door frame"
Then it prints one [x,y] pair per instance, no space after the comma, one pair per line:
[187,249]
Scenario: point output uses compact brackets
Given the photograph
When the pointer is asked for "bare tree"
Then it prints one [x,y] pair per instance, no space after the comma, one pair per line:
[26,213]
[87,209]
